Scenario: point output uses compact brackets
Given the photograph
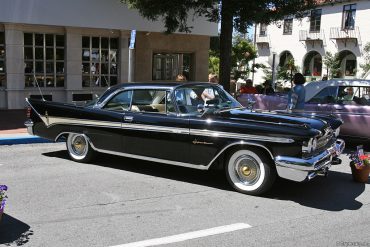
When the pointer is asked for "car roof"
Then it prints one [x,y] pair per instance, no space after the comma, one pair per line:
[312,88]
[138,85]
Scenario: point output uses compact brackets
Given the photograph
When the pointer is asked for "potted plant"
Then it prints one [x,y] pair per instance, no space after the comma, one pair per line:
[3,189]
[360,165]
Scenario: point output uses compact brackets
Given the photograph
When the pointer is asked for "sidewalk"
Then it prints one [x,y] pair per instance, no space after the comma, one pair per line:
[12,129]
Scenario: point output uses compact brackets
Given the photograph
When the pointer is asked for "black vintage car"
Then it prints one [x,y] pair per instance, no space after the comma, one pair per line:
[175,124]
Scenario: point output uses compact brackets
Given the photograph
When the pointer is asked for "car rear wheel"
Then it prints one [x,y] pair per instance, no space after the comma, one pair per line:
[79,148]
[249,172]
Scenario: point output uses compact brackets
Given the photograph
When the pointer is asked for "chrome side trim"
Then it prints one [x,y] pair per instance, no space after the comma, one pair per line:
[164,129]
[85,122]
[239,136]
[50,121]
[135,156]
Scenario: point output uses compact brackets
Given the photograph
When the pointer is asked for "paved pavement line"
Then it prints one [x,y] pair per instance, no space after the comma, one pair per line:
[187,236]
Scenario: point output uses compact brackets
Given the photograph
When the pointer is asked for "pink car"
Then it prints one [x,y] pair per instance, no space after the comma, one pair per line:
[347,99]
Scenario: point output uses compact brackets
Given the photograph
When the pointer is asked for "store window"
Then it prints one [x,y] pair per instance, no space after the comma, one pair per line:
[2,60]
[167,66]
[349,15]
[99,61]
[315,20]
[288,26]
[44,60]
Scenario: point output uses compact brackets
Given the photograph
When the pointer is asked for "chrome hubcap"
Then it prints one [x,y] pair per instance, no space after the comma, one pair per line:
[247,169]
[79,145]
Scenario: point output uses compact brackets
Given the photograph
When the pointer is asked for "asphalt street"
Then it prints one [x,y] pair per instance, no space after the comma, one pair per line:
[116,201]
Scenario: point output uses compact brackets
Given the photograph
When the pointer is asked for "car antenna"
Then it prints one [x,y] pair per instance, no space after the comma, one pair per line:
[37,84]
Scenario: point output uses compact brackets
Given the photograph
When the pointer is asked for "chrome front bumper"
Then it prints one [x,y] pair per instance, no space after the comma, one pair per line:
[300,169]
[29,125]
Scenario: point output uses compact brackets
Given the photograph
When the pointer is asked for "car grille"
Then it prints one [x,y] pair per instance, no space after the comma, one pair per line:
[325,138]
[323,143]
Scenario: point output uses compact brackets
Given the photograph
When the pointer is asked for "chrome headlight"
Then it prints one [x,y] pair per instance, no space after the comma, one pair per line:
[336,132]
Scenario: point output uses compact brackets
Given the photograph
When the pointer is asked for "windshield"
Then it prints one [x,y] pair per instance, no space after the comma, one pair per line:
[190,98]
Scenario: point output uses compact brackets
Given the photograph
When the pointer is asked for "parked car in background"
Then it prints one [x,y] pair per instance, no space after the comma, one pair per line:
[170,123]
[346,99]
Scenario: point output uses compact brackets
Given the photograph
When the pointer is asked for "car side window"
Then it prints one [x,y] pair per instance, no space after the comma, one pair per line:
[149,100]
[351,95]
[119,102]
[325,96]
[365,95]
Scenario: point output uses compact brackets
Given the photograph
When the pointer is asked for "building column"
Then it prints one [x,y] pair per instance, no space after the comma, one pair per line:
[124,57]
[73,62]
[14,67]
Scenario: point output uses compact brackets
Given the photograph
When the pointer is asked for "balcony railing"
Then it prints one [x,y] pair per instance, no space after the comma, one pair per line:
[263,40]
[307,36]
[338,33]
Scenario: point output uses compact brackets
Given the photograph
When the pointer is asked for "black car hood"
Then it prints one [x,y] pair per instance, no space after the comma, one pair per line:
[300,120]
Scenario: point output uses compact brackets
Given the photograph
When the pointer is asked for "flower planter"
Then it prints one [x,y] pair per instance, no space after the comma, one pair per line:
[360,174]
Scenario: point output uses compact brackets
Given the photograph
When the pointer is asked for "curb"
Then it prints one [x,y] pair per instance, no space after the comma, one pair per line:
[14,140]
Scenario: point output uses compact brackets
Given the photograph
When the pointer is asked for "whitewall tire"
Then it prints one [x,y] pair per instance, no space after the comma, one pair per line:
[250,172]
[79,148]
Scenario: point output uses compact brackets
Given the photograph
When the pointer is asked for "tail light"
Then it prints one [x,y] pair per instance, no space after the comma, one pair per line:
[28,112]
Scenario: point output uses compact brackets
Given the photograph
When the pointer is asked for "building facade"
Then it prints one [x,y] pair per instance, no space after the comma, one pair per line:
[341,27]
[70,50]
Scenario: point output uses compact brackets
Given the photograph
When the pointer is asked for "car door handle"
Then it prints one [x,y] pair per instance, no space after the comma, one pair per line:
[338,108]
[128,118]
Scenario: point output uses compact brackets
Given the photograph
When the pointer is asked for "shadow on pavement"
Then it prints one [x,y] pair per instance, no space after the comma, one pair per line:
[212,178]
[335,193]
[13,231]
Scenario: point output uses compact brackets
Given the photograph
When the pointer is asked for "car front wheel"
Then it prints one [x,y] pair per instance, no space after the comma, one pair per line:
[249,172]
[79,148]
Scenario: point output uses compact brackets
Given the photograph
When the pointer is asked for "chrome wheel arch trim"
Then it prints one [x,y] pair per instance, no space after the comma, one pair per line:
[241,143]
[64,133]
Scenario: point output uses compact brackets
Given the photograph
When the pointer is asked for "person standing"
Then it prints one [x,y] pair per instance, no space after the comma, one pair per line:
[181,77]
[268,90]
[248,88]
[297,95]
[208,93]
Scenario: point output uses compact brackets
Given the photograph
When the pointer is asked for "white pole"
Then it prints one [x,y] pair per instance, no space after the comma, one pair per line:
[131,65]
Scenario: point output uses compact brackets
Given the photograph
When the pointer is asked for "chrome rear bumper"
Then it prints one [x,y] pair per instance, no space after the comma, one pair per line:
[29,125]
[300,169]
